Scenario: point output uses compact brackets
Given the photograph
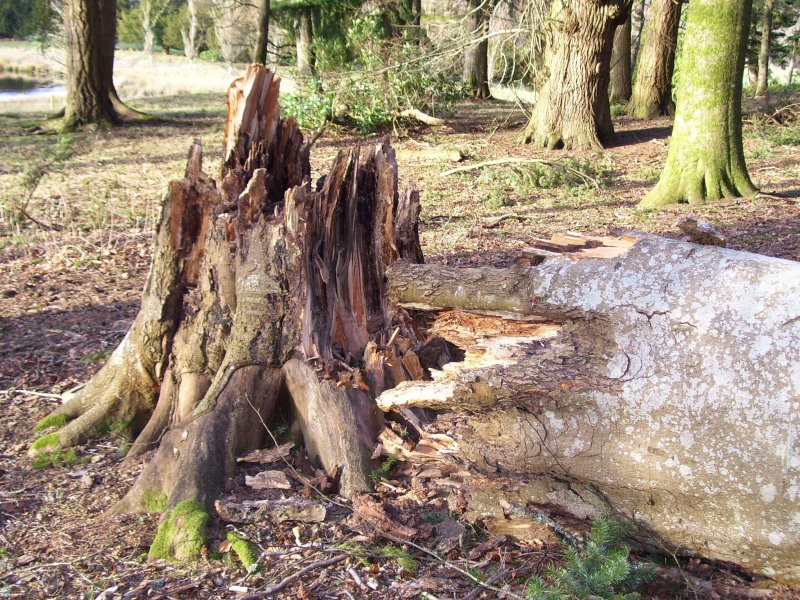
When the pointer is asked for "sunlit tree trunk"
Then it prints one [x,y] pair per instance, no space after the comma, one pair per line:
[189,34]
[705,159]
[652,89]
[763,54]
[637,24]
[88,37]
[572,109]
[620,90]
[262,39]
[306,61]
[792,63]
[476,61]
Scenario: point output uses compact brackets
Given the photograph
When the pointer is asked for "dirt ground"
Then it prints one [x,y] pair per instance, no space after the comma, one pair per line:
[70,285]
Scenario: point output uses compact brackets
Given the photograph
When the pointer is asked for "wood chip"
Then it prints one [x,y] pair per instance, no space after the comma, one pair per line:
[265,456]
[268,480]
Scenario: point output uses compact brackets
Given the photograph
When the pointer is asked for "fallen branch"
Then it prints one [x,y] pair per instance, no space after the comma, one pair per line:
[274,589]
[492,223]
[418,115]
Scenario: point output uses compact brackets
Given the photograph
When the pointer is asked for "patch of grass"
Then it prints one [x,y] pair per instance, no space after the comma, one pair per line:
[600,570]
[51,421]
[48,460]
[246,551]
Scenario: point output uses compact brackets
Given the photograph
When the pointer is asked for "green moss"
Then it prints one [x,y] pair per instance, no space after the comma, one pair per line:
[47,460]
[246,551]
[51,421]
[182,533]
[154,503]
[51,440]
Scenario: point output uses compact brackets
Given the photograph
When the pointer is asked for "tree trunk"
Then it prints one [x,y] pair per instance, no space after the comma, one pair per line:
[652,91]
[572,109]
[620,87]
[637,24]
[476,60]
[189,35]
[643,375]
[88,83]
[204,343]
[792,62]
[763,54]
[306,61]
[705,160]
[262,40]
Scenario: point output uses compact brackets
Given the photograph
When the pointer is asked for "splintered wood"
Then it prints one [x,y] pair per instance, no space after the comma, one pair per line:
[577,246]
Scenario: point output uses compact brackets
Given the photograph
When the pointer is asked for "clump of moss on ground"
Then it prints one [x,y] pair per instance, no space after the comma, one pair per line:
[46,460]
[247,552]
[182,533]
[51,421]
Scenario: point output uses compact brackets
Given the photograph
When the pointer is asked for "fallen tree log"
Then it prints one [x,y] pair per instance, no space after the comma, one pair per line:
[650,377]
[667,378]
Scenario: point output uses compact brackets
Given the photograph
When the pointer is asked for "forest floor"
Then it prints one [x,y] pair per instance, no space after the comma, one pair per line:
[76,217]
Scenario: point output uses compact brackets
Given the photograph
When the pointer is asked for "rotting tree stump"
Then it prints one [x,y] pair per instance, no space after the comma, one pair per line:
[652,378]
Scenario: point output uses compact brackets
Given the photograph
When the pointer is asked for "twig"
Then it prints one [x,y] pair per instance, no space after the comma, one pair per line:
[497,220]
[287,580]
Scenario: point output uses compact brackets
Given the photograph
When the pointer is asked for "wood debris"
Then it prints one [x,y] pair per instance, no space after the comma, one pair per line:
[266,456]
[278,511]
[268,480]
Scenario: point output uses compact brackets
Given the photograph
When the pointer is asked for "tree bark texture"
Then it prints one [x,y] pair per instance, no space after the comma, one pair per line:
[637,26]
[666,378]
[262,39]
[763,53]
[572,109]
[476,59]
[261,290]
[189,34]
[88,71]
[620,87]
[705,160]
[652,90]
[306,61]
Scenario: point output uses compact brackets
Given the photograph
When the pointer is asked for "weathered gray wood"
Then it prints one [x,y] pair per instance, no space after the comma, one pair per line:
[673,385]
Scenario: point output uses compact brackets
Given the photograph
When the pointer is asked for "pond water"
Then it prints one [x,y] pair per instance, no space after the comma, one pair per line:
[14,88]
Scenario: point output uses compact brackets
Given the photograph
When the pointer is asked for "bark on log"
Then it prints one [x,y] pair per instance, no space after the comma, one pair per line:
[666,378]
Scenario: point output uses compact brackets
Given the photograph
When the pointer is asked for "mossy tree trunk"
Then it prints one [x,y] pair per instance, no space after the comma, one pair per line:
[476,58]
[763,53]
[652,89]
[572,109]
[705,160]
[620,88]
